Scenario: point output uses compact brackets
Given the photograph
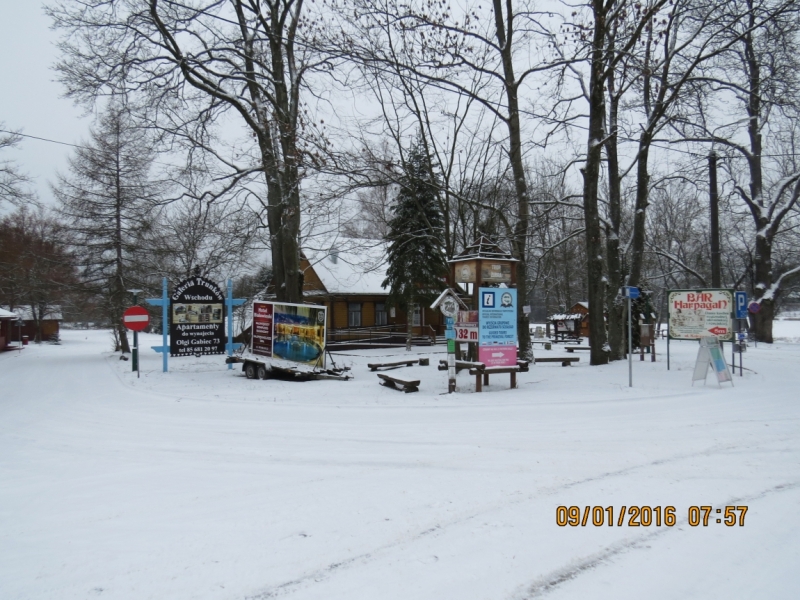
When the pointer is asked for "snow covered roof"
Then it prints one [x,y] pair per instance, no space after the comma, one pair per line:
[583,304]
[350,266]
[483,247]
[52,313]
[566,317]
[7,314]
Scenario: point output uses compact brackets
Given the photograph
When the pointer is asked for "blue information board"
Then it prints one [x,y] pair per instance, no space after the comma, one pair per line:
[497,316]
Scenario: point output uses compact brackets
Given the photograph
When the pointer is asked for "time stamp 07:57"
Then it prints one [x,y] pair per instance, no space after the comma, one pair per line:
[645,516]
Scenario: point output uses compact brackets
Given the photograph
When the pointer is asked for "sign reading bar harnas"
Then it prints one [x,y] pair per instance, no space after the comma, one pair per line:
[198,325]
[694,314]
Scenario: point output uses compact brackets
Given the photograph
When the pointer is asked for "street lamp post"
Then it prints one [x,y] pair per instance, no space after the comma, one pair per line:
[135,349]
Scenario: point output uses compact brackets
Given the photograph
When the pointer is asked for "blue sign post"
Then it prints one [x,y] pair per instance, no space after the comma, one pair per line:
[230,302]
[163,302]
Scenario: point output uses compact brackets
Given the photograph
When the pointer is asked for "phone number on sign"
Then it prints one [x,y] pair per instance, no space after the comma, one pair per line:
[645,516]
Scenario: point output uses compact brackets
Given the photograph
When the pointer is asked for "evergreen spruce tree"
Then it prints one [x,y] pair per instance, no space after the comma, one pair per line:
[417,263]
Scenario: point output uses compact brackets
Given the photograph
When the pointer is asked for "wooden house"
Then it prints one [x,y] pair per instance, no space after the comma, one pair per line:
[348,281]
[50,322]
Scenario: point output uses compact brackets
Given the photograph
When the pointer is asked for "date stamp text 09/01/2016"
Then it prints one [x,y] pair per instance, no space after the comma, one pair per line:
[645,516]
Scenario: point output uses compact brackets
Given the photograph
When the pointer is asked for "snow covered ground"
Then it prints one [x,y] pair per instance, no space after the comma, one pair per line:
[200,483]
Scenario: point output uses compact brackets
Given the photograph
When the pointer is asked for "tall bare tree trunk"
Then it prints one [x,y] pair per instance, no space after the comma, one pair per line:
[596,284]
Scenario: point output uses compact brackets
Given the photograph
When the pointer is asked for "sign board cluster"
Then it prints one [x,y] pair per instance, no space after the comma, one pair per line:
[293,332]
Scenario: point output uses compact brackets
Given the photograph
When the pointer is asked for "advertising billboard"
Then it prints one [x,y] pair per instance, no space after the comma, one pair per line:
[197,324]
[293,332]
[694,314]
[497,320]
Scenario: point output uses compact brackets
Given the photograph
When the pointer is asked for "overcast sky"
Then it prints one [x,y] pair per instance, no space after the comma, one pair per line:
[30,98]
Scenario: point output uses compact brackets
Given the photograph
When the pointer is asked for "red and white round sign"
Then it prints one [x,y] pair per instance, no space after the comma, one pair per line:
[136,318]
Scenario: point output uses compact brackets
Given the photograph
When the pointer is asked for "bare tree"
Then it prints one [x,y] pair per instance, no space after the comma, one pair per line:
[12,181]
[197,63]
[108,201]
[759,76]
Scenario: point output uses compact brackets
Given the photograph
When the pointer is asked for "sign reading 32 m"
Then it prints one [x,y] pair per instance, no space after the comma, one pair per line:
[697,313]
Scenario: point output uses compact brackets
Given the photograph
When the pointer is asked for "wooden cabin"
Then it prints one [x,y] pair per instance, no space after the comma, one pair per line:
[51,322]
[572,324]
[7,320]
[348,281]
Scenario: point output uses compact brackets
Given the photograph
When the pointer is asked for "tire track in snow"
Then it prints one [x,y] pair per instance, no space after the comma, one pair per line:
[549,582]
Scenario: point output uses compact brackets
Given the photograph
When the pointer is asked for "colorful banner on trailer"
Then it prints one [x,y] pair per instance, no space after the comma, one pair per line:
[497,321]
[196,313]
[293,332]
[694,314]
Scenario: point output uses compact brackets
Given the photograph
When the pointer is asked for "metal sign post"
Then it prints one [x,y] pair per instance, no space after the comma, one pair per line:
[136,319]
[630,293]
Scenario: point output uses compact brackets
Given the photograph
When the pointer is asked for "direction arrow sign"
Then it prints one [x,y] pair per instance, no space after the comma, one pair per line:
[136,318]
[718,330]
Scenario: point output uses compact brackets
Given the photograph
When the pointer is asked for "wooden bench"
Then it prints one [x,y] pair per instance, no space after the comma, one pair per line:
[482,373]
[546,343]
[400,363]
[564,360]
[460,365]
[393,382]
[573,348]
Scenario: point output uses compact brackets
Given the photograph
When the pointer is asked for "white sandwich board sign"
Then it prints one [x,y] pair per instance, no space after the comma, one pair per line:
[710,355]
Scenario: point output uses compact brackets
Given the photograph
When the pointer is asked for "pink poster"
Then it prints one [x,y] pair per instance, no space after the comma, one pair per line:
[498,356]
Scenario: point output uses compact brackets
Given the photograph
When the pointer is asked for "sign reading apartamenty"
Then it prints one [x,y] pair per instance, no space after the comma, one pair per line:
[497,320]
[197,322]
[694,314]
[293,332]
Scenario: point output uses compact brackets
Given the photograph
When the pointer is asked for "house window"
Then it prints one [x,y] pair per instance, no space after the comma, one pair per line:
[381,318]
[417,316]
[354,314]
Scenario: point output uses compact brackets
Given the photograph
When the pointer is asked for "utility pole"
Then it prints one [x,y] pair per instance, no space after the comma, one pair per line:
[714,205]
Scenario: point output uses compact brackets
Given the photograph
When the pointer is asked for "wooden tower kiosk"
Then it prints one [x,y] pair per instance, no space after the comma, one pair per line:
[482,264]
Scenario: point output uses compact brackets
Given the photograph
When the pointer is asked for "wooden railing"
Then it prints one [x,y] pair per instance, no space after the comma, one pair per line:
[379,335]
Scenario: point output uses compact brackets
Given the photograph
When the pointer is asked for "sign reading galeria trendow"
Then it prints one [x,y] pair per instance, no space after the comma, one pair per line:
[197,323]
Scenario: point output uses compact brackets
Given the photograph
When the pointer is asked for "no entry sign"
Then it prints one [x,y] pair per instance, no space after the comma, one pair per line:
[136,318]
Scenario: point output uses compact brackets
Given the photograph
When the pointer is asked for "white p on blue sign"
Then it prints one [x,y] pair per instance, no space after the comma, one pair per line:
[741,304]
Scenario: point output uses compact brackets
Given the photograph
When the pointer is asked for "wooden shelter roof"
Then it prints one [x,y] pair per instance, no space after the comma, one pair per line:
[483,248]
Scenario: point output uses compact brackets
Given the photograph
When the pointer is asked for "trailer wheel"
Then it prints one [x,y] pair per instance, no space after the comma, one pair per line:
[250,370]
[262,372]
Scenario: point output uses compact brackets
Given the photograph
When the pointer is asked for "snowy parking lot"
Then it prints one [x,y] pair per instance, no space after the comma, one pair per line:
[200,483]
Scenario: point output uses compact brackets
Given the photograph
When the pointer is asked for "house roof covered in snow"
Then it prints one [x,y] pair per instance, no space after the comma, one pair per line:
[51,313]
[350,267]
[7,314]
